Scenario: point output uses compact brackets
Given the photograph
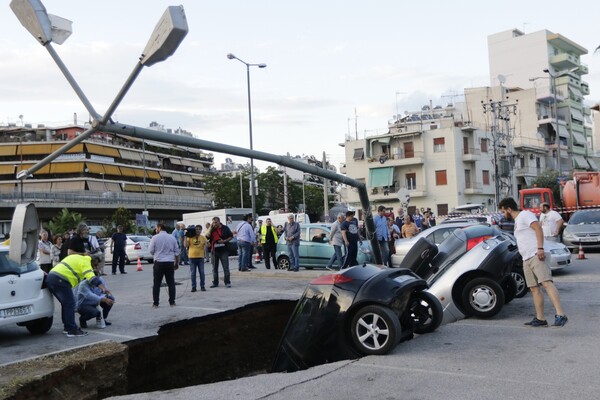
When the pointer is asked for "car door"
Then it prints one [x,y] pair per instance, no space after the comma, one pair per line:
[318,249]
[304,249]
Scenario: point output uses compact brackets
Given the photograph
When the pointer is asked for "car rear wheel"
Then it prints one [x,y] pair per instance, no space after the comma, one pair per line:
[519,278]
[39,326]
[375,330]
[482,297]
[426,312]
[283,262]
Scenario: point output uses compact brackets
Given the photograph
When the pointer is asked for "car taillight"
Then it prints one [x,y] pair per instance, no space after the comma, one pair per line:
[331,279]
[475,241]
[137,246]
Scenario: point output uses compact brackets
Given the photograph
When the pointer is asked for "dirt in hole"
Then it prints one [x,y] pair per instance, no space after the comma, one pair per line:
[211,348]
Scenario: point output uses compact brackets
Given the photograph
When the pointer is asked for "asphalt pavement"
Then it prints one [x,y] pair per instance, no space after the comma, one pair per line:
[499,358]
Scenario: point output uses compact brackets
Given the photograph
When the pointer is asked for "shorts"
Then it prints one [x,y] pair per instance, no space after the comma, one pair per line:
[536,271]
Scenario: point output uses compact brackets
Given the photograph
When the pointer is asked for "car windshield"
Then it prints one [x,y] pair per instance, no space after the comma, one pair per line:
[9,267]
[585,217]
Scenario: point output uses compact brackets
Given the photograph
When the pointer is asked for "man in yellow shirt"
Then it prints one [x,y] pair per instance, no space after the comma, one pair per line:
[65,276]
[268,240]
[196,246]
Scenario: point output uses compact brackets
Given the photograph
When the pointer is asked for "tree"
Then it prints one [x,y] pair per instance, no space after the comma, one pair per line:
[64,221]
[121,216]
[549,179]
[225,190]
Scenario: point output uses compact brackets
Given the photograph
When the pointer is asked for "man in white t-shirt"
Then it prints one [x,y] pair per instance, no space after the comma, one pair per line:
[551,223]
[530,241]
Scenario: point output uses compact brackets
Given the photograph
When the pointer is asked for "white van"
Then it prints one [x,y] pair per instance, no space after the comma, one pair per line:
[278,218]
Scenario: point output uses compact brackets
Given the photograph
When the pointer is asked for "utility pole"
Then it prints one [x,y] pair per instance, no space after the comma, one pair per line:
[325,192]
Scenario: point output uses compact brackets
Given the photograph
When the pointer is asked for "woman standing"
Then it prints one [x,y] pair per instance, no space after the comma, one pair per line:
[44,249]
[55,250]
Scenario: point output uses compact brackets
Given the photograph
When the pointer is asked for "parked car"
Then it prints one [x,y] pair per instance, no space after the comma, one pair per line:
[315,249]
[364,310]
[437,234]
[138,246]
[583,227]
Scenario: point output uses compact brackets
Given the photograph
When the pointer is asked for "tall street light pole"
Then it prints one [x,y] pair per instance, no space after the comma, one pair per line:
[252,183]
[558,160]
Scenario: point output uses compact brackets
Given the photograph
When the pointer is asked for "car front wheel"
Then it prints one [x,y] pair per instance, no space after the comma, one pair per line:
[426,312]
[283,262]
[482,297]
[39,326]
[375,330]
[519,278]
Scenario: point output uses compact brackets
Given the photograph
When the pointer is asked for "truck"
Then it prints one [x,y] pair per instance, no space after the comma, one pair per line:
[583,191]
[280,218]
[228,216]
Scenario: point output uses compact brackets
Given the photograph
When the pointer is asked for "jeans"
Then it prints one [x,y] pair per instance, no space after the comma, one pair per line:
[88,311]
[197,263]
[62,290]
[221,255]
[245,256]
[385,251]
[166,269]
[118,258]
[294,252]
[269,253]
[351,254]
[337,253]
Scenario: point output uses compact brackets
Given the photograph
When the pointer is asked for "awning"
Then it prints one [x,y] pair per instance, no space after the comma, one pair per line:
[185,162]
[152,189]
[6,169]
[112,170]
[592,163]
[7,187]
[44,170]
[381,177]
[171,191]
[383,140]
[580,162]
[95,186]
[66,168]
[139,173]
[577,115]
[127,171]
[186,178]
[78,148]
[113,187]
[198,165]
[176,177]
[153,174]
[8,150]
[130,155]
[359,154]
[151,157]
[562,130]
[37,186]
[102,150]
[133,188]
[94,168]
[175,161]
[578,138]
[68,185]
[35,149]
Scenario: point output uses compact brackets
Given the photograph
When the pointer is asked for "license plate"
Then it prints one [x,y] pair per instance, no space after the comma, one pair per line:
[15,311]
[589,239]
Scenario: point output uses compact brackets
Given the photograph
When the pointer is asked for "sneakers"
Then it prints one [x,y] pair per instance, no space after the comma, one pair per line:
[193,290]
[82,322]
[154,305]
[100,324]
[537,323]
[172,304]
[213,286]
[560,320]
[76,333]
[228,285]
[202,289]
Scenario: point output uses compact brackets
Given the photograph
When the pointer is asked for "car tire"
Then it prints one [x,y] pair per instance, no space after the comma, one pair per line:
[482,297]
[39,326]
[509,286]
[283,262]
[426,312]
[375,330]
[519,278]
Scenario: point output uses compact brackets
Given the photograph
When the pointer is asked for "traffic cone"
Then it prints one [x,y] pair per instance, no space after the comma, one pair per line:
[256,257]
[581,255]
[139,265]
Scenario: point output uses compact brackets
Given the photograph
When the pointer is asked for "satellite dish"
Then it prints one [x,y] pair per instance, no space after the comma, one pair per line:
[404,197]
[24,234]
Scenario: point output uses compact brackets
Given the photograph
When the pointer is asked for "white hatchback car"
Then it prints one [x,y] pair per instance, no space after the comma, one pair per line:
[24,298]
[138,246]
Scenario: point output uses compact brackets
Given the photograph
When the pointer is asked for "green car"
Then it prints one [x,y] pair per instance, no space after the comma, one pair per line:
[315,250]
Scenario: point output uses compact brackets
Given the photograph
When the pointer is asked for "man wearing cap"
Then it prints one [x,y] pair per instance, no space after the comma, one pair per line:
[65,276]
[351,236]
[551,222]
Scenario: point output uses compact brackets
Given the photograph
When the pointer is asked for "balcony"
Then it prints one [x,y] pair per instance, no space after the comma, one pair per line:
[583,69]
[471,154]
[473,188]
[401,159]
[585,88]
[564,61]
[528,171]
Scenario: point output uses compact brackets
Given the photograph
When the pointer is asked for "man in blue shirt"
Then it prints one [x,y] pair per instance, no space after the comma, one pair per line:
[351,235]
[383,233]
[165,251]
[246,240]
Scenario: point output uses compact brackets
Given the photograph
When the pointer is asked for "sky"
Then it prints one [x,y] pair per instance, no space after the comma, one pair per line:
[334,68]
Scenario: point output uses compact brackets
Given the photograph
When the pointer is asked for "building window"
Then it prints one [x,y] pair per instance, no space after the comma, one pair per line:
[442,209]
[486,177]
[538,162]
[359,154]
[484,145]
[439,145]
[440,178]
[411,181]
[467,179]
[409,150]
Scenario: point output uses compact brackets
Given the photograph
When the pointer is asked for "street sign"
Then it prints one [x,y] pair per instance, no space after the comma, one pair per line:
[141,220]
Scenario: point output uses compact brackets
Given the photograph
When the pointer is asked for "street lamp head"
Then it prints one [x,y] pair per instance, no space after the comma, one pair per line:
[262,65]
[231,56]
[546,70]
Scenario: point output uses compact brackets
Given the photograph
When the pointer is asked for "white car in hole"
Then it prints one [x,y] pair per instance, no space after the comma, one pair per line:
[24,298]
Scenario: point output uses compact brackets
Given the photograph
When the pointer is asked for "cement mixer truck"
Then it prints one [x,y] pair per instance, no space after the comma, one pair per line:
[581,192]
